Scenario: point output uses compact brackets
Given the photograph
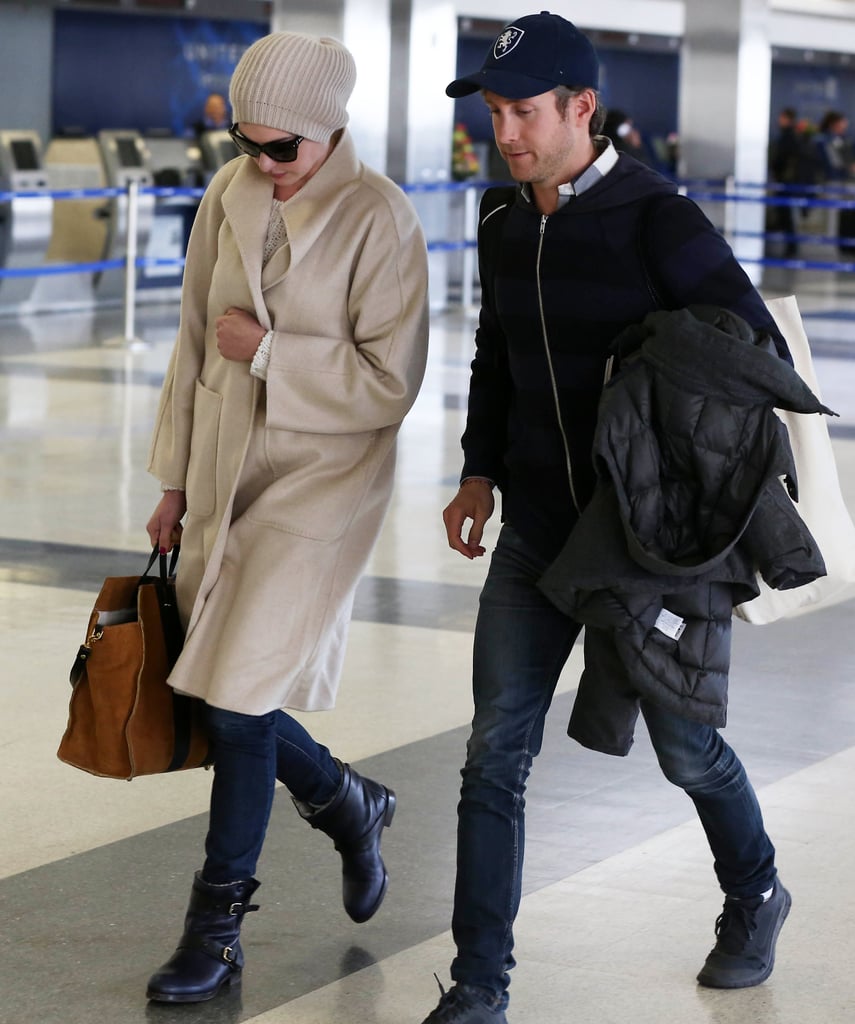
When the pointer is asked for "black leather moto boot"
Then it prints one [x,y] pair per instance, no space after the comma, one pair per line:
[354,819]
[209,954]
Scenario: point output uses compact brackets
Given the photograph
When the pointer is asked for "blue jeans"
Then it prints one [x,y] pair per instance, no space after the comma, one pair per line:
[250,752]
[521,644]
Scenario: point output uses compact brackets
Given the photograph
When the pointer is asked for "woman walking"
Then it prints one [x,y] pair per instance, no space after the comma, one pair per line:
[301,347]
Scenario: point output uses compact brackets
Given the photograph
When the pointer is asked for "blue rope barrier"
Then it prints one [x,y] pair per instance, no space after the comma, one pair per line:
[711,194]
[714,187]
[780,236]
[161,261]
[101,193]
[708,191]
[53,269]
[444,186]
[65,193]
[50,269]
[847,266]
[798,189]
[733,197]
[451,246]
[168,191]
[794,188]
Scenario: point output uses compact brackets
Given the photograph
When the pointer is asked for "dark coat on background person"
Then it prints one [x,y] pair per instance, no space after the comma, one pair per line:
[792,159]
[688,506]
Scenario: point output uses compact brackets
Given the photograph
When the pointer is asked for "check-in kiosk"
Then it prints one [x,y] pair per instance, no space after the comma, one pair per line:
[217,149]
[176,163]
[126,159]
[25,220]
[79,231]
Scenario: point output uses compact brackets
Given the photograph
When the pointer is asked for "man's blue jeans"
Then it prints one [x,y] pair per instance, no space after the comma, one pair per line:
[521,644]
[250,753]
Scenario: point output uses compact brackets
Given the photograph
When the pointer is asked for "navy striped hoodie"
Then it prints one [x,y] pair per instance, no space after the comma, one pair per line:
[556,291]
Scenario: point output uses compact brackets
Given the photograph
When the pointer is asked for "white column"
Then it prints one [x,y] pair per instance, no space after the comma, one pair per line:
[400,117]
[367,34]
[421,118]
[363,27]
[725,88]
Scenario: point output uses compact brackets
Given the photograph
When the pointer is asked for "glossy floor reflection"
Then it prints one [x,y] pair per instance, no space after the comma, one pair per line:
[619,901]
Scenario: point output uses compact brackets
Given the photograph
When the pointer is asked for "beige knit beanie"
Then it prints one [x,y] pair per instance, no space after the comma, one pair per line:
[294,82]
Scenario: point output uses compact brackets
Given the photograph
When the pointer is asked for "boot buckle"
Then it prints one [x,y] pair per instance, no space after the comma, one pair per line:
[240,908]
[228,954]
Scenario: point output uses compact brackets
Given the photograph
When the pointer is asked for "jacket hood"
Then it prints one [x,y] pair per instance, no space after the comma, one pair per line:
[627,182]
[712,351]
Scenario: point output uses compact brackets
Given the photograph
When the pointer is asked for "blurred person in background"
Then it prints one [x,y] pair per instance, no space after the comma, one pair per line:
[833,147]
[836,156]
[215,115]
[626,138]
[788,158]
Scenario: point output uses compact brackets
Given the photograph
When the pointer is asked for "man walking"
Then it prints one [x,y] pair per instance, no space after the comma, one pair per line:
[587,243]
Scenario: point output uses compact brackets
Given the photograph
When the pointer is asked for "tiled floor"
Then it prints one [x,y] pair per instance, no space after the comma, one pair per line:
[620,899]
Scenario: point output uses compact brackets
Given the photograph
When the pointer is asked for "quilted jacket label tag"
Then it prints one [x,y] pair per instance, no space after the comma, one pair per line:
[670,624]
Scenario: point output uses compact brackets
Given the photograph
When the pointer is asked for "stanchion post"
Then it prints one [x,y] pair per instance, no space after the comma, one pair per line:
[129,337]
[131,262]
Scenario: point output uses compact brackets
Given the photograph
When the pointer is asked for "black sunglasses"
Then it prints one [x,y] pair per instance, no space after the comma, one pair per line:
[282,151]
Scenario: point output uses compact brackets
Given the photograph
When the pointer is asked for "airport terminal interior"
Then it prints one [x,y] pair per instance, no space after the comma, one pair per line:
[619,901]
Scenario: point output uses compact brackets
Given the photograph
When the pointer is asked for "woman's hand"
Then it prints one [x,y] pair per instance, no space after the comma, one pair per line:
[238,335]
[164,528]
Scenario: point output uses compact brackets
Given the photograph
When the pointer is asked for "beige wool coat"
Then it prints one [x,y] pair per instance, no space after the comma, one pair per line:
[287,482]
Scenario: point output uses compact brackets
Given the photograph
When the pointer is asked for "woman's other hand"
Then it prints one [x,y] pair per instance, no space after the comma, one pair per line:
[164,528]
[238,335]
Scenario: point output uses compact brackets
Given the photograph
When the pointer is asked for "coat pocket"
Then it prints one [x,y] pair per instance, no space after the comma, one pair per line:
[320,481]
[204,446]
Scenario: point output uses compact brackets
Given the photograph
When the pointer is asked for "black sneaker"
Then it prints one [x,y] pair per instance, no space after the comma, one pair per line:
[746,933]
[462,1005]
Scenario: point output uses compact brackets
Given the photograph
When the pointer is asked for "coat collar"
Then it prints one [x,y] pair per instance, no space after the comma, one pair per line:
[247,200]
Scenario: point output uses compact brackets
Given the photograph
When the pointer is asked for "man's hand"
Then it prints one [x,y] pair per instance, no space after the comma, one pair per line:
[238,334]
[473,501]
[164,528]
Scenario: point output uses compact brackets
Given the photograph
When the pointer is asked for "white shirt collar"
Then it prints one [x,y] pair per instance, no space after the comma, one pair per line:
[593,173]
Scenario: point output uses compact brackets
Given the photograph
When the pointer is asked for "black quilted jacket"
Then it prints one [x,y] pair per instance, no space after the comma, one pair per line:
[689,504]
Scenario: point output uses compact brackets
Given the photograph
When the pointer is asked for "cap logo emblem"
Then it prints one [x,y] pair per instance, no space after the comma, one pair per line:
[507,41]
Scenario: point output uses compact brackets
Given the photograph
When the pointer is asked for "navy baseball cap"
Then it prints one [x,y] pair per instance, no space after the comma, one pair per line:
[532,56]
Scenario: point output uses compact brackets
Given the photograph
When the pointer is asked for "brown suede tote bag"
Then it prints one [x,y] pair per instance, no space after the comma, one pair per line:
[124,719]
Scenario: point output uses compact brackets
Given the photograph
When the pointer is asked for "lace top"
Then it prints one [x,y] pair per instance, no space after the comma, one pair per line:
[276,235]
[276,238]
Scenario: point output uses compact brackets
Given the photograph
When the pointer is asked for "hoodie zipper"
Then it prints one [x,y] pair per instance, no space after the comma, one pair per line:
[554,384]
